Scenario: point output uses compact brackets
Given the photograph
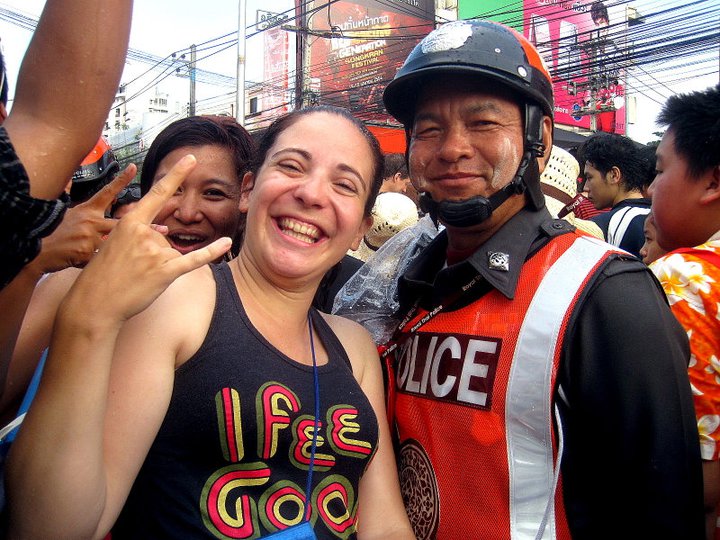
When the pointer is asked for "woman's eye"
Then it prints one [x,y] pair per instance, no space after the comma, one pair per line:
[347,186]
[290,166]
[215,193]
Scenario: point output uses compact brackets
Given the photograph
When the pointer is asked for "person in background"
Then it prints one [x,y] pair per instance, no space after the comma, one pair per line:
[216,393]
[392,213]
[614,177]
[537,373]
[396,178]
[395,174]
[205,207]
[558,183]
[651,250]
[60,105]
[584,209]
[686,210]
[647,155]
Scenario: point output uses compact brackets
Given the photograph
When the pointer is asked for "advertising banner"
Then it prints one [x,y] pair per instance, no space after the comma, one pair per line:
[357,47]
[275,71]
[582,43]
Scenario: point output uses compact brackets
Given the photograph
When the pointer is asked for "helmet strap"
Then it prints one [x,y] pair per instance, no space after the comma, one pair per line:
[529,170]
[472,211]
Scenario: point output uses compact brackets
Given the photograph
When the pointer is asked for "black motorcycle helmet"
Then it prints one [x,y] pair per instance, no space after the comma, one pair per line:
[487,50]
[97,169]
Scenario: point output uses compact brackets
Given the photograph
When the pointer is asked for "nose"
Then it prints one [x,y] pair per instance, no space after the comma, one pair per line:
[312,190]
[187,209]
[455,145]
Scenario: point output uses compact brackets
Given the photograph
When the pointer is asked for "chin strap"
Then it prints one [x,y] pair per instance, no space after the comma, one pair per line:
[477,209]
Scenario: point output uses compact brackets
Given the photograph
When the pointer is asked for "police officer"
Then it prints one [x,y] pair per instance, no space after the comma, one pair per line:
[539,377]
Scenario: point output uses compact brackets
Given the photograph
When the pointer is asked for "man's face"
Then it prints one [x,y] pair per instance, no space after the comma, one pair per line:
[396,183]
[466,140]
[675,195]
[600,188]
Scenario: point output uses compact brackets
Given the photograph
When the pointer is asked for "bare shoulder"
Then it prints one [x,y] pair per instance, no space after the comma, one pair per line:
[357,342]
[180,317]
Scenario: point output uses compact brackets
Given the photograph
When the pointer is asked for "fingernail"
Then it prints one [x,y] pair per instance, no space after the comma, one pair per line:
[188,160]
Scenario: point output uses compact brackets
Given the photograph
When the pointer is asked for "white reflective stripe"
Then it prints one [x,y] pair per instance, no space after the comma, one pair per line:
[620,221]
[528,401]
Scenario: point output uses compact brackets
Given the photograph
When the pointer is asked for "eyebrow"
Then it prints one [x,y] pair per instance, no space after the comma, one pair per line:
[342,166]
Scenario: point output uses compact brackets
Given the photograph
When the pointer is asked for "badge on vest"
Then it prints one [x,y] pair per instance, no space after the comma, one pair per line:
[497,260]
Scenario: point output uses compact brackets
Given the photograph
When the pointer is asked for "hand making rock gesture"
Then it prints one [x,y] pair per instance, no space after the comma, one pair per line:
[136,263]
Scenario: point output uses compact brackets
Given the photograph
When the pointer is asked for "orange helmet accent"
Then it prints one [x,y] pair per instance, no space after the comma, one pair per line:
[97,169]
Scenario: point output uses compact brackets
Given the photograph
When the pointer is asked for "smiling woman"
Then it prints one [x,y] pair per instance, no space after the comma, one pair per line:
[225,405]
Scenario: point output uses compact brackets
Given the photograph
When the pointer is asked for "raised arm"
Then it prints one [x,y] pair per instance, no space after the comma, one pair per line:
[70,463]
[66,86]
[28,314]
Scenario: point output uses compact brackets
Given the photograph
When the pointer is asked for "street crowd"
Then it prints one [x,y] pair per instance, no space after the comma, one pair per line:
[298,335]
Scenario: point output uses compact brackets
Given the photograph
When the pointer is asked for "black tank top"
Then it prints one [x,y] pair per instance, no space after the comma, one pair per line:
[231,457]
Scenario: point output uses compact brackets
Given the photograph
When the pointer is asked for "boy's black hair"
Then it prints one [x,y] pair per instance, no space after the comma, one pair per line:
[694,120]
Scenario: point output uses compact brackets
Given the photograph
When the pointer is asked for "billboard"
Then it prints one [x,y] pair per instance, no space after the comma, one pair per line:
[582,43]
[357,47]
[275,71]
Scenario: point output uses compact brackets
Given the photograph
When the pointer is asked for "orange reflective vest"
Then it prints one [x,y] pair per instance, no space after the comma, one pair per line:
[474,391]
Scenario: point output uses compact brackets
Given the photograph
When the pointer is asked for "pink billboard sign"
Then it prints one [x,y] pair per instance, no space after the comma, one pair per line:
[275,71]
[581,43]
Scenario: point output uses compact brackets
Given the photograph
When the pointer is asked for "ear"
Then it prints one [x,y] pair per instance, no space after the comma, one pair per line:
[711,192]
[614,176]
[364,227]
[247,185]
[547,130]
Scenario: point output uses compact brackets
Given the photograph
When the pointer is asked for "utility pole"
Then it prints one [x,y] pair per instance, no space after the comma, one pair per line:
[191,67]
[193,58]
[240,94]
[301,38]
